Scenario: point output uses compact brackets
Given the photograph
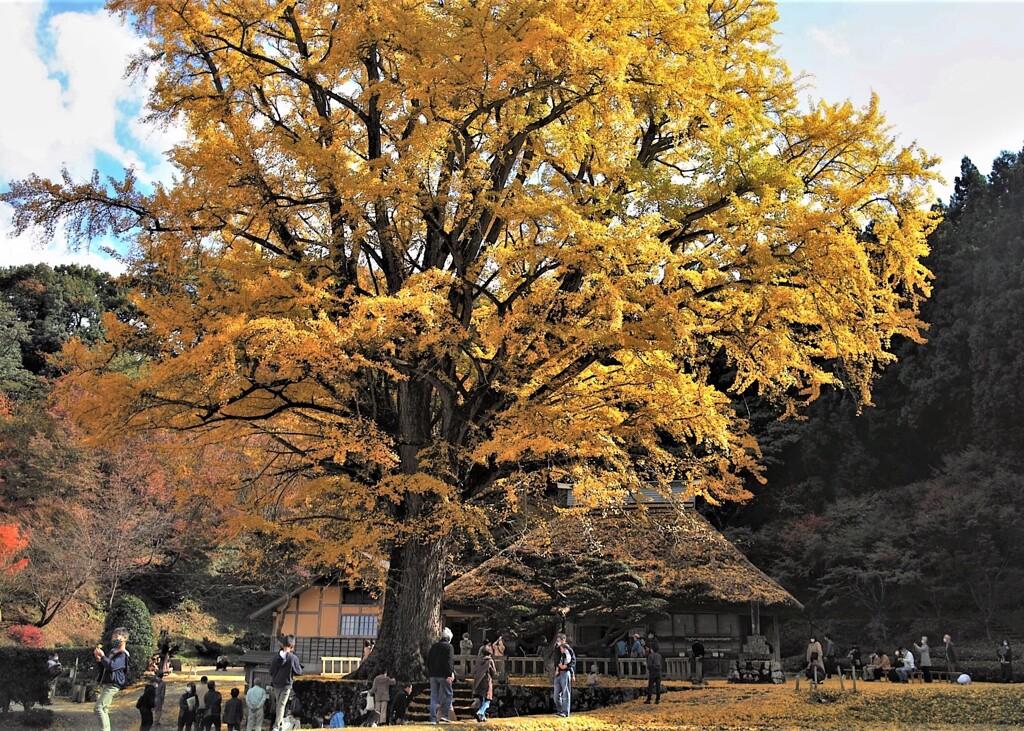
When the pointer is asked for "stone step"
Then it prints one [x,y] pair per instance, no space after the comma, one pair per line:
[462,702]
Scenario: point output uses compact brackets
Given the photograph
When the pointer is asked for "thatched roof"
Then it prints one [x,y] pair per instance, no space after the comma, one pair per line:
[679,556]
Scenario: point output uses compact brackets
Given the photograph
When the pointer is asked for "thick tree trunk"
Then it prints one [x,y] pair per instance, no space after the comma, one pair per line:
[416,572]
[412,611]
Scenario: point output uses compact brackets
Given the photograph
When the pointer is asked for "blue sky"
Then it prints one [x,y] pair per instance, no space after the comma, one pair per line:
[948,74]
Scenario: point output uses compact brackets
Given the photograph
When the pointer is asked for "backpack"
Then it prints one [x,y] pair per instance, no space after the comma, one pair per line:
[572,660]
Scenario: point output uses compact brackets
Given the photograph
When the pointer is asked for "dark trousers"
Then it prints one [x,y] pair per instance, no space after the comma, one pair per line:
[147,719]
[211,721]
[1006,668]
[654,686]
[926,673]
[185,720]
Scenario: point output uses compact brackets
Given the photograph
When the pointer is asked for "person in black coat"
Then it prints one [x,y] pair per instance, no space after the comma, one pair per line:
[441,671]
[187,705]
[145,704]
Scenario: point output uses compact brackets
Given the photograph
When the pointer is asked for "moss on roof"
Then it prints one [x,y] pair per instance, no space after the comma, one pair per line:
[679,555]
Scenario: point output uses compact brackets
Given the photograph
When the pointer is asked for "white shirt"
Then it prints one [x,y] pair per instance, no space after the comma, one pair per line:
[908,660]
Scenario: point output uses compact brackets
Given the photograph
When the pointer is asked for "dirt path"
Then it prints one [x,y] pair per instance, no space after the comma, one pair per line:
[70,716]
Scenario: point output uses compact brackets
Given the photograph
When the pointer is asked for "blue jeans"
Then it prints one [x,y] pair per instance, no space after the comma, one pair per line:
[103,699]
[440,697]
[485,703]
[904,673]
[563,692]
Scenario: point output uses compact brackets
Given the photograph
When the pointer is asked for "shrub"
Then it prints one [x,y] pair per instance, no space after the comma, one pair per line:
[26,635]
[209,648]
[23,677]
[251,641]
[131,613]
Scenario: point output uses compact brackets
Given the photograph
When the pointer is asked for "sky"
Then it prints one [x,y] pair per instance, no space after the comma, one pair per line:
[948,74]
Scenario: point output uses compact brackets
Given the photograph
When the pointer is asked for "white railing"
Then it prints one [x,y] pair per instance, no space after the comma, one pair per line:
[339,665]
[675,668]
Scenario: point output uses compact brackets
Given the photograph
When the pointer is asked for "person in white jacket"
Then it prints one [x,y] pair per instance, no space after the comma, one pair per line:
[908,665]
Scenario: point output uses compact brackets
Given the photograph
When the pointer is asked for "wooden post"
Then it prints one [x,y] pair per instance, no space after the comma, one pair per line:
[853,677]
[797,689]
[841,685]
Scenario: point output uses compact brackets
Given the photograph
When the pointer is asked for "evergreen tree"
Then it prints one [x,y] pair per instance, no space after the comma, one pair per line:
[131,613]
[909,503]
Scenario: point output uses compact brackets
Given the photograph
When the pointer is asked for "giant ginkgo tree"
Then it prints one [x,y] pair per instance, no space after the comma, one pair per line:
[423,257]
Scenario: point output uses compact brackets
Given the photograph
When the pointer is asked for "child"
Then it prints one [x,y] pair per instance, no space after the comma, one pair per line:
[145,705]
[233,712]
[400,705]
[592,681]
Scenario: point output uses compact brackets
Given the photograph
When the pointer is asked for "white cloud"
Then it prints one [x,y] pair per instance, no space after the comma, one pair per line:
[57,122]
[831,42]
[944,76]
[26,249]
[69,104]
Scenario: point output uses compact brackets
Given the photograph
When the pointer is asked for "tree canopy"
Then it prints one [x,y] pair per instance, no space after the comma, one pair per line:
[419,258]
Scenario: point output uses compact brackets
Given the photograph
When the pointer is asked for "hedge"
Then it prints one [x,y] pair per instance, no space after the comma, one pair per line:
[24,676]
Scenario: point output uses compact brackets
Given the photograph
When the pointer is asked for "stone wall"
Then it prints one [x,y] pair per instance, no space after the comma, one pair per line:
[320,699]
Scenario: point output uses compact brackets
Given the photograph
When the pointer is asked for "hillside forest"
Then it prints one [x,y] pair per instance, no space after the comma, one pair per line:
[894,518]
[904,517]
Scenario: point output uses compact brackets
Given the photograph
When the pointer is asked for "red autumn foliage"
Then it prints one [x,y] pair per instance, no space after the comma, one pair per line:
[12,543]
[26,635]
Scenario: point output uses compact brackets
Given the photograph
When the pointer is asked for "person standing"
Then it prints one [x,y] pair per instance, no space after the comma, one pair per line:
[211,715]
[952,661]
[565,668]
[926,659]
[697,660]
[161,694]
[283,669]
[815,661]
[441,671]
[621,651]
[113,676]
[381,690]
[637,648]
[513,644]
[53,671]
[254,701]
[655,666]
[201,689]
[483,683]
[145,704]
[1005,655]
[187,708]
[831,657]
[233,712]
[465,645]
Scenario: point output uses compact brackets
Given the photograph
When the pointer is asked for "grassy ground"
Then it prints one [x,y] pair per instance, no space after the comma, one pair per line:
[718,707]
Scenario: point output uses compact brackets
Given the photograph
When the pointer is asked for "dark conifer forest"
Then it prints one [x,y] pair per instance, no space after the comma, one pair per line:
[908,515]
